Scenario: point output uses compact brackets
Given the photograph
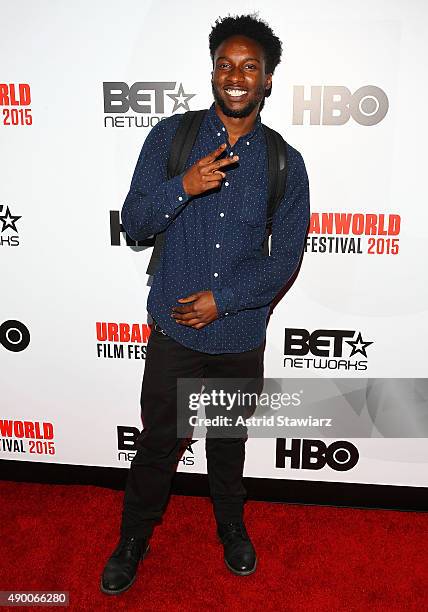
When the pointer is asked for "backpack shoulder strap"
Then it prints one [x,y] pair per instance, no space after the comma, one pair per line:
[277,169]
[277,176]
[181,147]
[183,141]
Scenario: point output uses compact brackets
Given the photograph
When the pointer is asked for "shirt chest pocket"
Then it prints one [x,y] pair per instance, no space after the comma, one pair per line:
[252,225]
[252,209]
[253,216]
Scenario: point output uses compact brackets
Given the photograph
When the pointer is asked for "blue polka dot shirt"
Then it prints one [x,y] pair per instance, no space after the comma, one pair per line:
[213,241]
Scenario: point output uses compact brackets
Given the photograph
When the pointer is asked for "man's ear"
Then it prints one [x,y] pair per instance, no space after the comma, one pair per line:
[268,86]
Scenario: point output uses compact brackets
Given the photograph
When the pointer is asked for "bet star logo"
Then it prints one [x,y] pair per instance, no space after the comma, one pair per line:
[9,220]
[189,446]
[358,345]
[181,99]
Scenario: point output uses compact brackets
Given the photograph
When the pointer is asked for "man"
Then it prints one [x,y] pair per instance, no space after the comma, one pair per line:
[210,297]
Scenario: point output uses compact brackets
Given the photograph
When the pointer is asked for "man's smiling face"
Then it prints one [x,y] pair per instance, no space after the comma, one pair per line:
[238,78]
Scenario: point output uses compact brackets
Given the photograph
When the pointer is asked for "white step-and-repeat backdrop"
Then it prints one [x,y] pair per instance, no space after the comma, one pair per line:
[73,303]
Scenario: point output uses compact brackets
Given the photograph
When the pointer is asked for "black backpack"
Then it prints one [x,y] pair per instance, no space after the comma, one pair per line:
[181,148]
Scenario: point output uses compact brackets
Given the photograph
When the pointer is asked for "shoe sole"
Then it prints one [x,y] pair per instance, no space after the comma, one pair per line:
[128,586]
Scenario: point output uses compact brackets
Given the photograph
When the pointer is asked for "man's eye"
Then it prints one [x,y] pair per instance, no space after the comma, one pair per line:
[226,65]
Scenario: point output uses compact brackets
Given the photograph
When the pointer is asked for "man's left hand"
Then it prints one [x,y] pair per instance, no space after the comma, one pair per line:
[201,311]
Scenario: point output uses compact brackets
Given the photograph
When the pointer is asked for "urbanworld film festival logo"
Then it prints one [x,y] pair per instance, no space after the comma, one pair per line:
[149,100]
[15,100]
[336,104]
[354,233]
[21,437]
[122,340]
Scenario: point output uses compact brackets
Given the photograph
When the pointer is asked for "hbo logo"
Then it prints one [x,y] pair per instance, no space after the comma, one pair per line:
[14,335]
[335,104]
[315,454]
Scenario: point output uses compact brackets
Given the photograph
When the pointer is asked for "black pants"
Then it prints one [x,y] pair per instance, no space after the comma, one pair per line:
[158,448]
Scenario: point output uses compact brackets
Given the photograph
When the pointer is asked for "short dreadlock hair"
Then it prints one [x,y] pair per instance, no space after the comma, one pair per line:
[252,27]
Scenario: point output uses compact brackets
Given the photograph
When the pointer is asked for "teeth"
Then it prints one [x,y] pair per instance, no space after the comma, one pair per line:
[235,92]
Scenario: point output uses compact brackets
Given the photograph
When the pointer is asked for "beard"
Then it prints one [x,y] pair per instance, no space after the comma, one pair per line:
[258,97]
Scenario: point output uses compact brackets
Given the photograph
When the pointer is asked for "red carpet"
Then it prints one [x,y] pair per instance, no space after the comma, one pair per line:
[310,558]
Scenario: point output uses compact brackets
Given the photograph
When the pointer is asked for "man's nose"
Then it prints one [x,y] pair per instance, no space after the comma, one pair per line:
[236,74]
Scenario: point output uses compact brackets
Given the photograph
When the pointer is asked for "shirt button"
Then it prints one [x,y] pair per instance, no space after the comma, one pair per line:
[217,246]
[231,154]
[227,183]
[221,214]
[226,313]
[180,198]
[166,216]
[218,133]
[224,129]
[248,142]
[216,274]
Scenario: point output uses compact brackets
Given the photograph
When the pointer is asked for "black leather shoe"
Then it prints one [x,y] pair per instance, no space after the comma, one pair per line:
[121,568]
[239,554]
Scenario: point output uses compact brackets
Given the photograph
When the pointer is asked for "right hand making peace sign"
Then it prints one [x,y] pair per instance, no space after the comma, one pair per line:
[205,173]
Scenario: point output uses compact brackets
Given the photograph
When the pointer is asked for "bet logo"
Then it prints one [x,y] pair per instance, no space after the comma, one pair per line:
[143,96]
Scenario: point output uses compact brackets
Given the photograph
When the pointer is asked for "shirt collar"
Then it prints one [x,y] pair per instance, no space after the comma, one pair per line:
[219,126]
